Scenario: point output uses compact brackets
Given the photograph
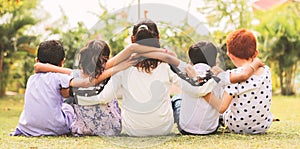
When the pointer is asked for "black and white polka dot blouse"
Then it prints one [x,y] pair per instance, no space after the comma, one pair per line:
[249,111]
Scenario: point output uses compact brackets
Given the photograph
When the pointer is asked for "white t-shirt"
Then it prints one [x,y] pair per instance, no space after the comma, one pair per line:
[249,111]
[147,109]
[196,115]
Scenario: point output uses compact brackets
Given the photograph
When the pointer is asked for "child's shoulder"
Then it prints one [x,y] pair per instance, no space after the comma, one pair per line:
[267,68]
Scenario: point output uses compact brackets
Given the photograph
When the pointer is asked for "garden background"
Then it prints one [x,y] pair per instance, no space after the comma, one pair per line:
[276,23]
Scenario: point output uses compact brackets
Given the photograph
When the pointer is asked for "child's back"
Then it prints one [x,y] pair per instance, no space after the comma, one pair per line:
[196,115]
[249,110]
[44,112]
[247,103]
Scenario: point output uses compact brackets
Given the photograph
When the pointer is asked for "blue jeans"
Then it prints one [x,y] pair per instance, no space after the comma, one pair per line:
[176,105]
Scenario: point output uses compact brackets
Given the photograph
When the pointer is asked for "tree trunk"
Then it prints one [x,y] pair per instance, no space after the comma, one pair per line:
[2,81]
[290,77]
[1,60]
[281,81]
[287,80]
[2,86]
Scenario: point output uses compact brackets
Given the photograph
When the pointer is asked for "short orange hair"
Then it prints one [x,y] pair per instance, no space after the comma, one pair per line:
[241,43]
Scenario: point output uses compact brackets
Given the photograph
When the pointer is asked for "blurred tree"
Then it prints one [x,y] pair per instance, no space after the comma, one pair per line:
[225,16]
[73,40]
[279,32]
[112,27]
[116,29]
[179,38]
[15,18]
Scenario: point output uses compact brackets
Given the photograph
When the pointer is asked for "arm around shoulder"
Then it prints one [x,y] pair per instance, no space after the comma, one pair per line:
[41,67]
[198,91]
[247,72]
[220,105]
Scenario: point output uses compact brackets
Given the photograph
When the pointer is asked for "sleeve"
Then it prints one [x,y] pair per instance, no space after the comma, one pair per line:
[106,95]
[75,73]
[64,80]
[195,91]
[182,65]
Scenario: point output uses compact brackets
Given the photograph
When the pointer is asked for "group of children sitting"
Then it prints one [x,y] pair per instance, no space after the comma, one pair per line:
[144,73]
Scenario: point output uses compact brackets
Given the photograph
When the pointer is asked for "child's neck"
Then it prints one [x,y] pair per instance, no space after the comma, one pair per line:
[242,62]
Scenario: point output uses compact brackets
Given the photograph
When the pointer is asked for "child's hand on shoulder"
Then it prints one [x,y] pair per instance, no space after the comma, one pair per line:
[257,62]
[216,70]
[191,72]
[38,67]
[125,64]
[171,53]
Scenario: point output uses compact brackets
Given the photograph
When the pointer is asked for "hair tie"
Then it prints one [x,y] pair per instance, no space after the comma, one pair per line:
[143,26]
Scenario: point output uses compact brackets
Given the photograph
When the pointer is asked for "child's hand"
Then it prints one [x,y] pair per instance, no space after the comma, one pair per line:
[125,64]
[191,72]
[257,63]
[37,67]
[216,70]
[65,92]
[138,56]
[171,53]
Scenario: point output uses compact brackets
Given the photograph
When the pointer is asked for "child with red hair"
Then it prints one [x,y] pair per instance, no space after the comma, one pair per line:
[246,104]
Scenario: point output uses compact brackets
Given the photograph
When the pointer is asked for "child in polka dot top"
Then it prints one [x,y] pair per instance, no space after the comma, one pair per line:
[246,105]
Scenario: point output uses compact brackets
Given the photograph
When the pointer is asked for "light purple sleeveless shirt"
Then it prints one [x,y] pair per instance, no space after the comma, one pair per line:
[44,112]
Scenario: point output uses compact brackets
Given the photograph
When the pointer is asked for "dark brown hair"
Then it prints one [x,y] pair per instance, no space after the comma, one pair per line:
[241,43]
[51,51]
[146,33]
[93,58]
[203,52]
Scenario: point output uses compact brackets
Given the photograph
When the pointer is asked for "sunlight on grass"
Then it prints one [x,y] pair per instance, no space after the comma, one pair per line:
[282,134]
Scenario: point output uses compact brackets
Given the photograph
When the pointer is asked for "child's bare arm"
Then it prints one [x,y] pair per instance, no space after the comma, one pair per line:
[219,104]
[216,70]
[163,56]
[247,72]
[78,82]
[126,53]
[42,67]
[87,82]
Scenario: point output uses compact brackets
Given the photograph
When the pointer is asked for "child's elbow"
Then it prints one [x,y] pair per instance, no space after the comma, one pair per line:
[36,67]
[222,110]
[244,77]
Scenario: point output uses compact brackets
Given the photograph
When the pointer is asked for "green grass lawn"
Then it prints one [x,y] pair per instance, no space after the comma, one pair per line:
[282,134]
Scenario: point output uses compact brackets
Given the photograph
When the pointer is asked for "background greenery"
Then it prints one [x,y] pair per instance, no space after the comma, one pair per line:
[278,35]
[282,134]
[277,30]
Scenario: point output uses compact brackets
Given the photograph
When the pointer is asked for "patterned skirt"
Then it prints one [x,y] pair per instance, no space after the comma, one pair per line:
[100,120]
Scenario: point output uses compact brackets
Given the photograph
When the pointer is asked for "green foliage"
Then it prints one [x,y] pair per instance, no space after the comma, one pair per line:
[279,33]
[113,28]
[16,18]
[179,38]
[225,16]
[73,40]
[116,29]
